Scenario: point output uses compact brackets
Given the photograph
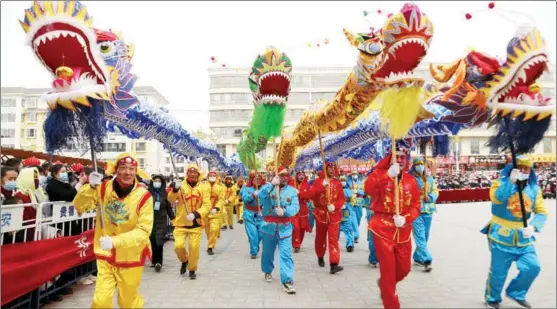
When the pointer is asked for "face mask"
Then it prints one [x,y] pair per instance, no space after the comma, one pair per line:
[63,176]
[343,183]
[355,177]
[36,183]
[157,185]
[42,180]
[420,169]
[10,185]
[522,176]
[212,179]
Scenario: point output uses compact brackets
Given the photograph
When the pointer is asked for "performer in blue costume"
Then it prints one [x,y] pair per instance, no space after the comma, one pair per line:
[422,224]
[276,228]
[357,186]
[509,241]
[372,258]
[346,223]
[252,212]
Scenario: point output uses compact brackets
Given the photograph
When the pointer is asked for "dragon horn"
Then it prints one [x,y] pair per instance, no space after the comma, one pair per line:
[350,37]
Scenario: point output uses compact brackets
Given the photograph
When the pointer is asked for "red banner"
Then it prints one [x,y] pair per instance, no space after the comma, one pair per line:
[464,195]
[26,266]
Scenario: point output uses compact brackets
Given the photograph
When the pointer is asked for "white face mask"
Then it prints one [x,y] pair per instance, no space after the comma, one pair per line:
[420,169]
[343,183]
[212,179]
[157,185]
[355,177]
[522,176]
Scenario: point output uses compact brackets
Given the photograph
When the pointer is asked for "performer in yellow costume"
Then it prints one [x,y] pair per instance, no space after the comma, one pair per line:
[123,245]
[230,200]
[193,204]
[213,221]
[239,203]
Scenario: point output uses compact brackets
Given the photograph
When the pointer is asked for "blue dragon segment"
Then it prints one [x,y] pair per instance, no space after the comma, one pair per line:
[368,130]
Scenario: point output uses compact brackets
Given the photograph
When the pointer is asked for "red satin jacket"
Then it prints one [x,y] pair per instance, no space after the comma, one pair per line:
[381,187]
[318,195]
[303,198]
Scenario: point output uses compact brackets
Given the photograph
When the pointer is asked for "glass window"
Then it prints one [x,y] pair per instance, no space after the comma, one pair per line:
[547,145]
[32,116]
[167,160]
[167,170]
[8,133]
[216,99]
[222,149]
[298,98]
[140,146]
[142,162]
[8,117]
[474,146]
[327,81]
[179,169]
[179,159]
[299,81]
[30,102]
[229,82]
[8,102]
[327,96]
[31,132]
[114,147]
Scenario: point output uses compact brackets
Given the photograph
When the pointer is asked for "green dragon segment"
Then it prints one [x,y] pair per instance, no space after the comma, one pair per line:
[269,82]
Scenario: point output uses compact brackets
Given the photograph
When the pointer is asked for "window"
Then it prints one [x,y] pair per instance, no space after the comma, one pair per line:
[327,81]
[294,114]
[180,160]
[493,151]
[180,169]
[547,145]
[229,82]
[140,146]
[8,103]
[32,116]
[8,117]
[142,162]
[300,81]
[474,146]
[222,149]
[327,96]
[8,133]
[114,147]
[8,146]
[237,132]
[30,103]
[298,98]
[31,132]
[167,160]
[167,170]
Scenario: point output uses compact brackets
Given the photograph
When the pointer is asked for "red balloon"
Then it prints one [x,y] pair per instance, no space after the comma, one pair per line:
[468,16]
[491,5]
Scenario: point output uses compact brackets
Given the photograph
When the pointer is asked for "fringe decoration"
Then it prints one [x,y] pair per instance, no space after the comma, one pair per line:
[267,120]
[399,109]
[525,134]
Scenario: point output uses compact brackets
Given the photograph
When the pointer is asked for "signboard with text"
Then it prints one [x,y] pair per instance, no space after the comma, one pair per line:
[12,219]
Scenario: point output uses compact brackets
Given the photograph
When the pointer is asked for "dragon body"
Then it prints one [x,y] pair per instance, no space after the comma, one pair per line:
[386,59]
[269,82]
[92,91]
[477,89]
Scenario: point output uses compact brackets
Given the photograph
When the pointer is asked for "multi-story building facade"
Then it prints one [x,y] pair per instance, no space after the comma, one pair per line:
[230,105]
[23,114]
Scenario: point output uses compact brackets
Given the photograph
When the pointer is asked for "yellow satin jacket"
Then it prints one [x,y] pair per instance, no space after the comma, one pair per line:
[190,199]
[128,221]
[230,195]
[217,198]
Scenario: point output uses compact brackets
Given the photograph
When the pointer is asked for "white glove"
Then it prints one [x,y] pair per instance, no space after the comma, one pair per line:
[213,211]
[106,243]
[95,178]
[528,231]
[343,207]
[515,174]
[394,170]
[280,211]
[428,172]
[325,182]
[256,193]
[190,217]
[331,208]
[177,184]
[275,181]
[399,220]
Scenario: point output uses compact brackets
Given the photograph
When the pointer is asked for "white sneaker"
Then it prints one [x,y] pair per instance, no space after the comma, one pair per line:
[268,277]
[289,288]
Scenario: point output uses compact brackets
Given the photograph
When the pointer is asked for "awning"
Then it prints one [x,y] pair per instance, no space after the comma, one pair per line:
[543,158]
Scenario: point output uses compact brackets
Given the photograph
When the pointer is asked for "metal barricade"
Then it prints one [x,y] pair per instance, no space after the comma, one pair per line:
[53,219]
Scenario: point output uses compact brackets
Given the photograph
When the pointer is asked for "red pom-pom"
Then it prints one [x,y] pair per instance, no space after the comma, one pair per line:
[491,5]
[224,65]
[212,58]
[389,15]
[378,11]
[468,16]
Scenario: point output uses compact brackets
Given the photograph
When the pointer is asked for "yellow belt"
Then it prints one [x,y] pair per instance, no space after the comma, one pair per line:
[507,223]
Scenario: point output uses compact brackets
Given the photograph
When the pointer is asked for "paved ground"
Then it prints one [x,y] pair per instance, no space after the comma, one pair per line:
[229,279]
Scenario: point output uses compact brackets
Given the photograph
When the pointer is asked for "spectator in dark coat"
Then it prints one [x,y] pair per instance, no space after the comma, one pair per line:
[162,211]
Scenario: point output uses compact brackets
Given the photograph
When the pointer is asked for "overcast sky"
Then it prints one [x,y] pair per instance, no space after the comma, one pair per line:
[175,40]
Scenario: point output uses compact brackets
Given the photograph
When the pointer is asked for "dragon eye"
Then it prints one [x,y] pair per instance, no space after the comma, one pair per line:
[105,47]
[372,48]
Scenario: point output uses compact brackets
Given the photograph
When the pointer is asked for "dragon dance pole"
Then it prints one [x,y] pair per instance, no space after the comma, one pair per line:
[393,161]
[324,165]
[513,155]
[176,172]
[99,204]
[276,167]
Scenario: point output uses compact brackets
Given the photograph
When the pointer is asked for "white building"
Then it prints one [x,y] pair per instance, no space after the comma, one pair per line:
[23,113]
[230,105]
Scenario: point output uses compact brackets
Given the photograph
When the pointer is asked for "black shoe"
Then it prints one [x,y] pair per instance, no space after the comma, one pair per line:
[522,303]
[296,250]
[158,267]
[492,305]
[55,297]
[268,277]
[356,240]
[224,227]
[350,249]
[231,227]
[253,257]
[241,221]
[210,251]
[419,263]
[183,268]
[192,275]
[321,262]
[428,267]
[335,269]
[66,291]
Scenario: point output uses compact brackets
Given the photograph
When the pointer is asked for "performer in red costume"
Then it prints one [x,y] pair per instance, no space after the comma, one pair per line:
[391,233]
[328,197]
[300,221]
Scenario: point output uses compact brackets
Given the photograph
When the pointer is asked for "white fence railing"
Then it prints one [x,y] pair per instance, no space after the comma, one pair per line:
[53,219]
